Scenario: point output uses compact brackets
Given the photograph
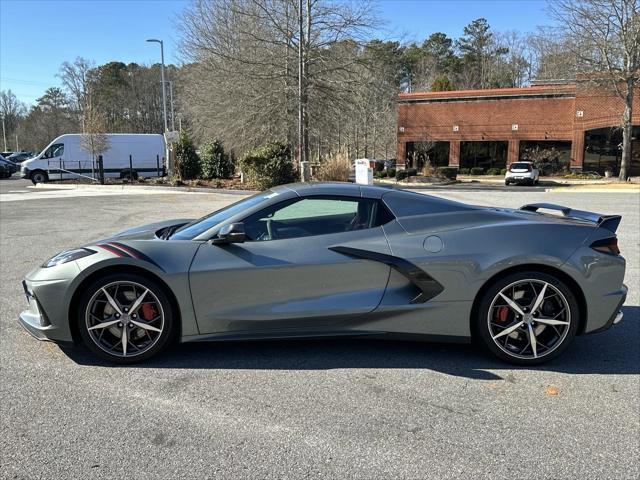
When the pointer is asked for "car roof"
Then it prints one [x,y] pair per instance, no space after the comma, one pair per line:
[402,202]
[335,188]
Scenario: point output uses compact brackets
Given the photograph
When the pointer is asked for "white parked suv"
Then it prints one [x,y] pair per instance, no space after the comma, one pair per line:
[522,172]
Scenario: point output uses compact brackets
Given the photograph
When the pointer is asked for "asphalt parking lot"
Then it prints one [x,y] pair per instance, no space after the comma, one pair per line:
[333,408]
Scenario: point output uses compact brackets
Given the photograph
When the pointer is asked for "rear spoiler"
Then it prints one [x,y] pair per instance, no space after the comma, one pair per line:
[610,222]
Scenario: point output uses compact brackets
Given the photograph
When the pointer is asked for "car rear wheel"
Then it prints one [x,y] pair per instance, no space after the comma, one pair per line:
[527,318]
[125,318]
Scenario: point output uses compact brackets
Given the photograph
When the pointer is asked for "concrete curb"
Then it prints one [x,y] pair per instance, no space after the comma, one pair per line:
[596,189]
[125,188]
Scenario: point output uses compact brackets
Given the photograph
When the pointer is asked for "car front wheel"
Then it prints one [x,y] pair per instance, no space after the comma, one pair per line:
[125,318]
[527,318]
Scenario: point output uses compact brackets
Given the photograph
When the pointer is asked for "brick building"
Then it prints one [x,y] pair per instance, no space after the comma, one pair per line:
[493,128]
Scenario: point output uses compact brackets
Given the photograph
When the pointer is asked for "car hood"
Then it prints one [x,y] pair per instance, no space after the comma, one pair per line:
[148,230]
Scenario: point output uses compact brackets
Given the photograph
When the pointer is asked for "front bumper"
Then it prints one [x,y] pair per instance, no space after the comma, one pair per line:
[46,291]
[34,320]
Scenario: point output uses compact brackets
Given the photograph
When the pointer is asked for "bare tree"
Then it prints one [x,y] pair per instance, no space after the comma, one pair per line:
[94,139]
[256,63]
[605,37]
[12,111]
[550,56]
[75,79]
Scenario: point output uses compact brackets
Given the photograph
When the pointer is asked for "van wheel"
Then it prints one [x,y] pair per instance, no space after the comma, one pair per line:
[39,177]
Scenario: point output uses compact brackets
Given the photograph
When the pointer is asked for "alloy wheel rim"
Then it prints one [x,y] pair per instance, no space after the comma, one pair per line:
[124,319]
[529,319]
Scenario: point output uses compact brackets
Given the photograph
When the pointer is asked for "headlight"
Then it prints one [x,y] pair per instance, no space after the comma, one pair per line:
[68,256]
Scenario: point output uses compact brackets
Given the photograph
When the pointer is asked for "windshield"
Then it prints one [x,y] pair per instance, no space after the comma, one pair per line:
[520,166]
[195,228]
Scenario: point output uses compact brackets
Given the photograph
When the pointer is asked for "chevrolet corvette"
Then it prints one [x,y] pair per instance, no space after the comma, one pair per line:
[336,259]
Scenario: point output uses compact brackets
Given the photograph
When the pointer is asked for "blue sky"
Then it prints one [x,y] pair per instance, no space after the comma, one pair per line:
[36,36]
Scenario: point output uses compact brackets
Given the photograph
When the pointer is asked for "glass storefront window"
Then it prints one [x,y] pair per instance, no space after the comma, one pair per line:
[419,152]
[603,150]
[483,154]
[550,156]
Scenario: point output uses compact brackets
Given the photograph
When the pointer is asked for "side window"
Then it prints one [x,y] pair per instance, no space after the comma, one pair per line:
[55,150]
[315,216]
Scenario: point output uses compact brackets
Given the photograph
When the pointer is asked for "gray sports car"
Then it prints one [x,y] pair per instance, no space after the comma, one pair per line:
[334,259]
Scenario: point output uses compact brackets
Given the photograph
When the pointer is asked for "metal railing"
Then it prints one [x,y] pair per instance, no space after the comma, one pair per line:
[93,170]
[67,166]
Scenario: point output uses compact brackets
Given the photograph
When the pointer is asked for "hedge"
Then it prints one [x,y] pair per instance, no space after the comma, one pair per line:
[406,173]
[269,165]
[448,172]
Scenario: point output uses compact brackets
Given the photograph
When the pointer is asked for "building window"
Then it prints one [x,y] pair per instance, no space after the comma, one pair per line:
[603,150]
[437,153]
[483,154]
[549,155]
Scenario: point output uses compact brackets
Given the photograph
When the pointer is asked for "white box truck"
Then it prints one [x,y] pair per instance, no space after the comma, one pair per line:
[64,158]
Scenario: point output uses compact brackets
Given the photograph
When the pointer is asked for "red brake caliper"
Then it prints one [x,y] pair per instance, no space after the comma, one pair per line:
[148,312]
[502,314]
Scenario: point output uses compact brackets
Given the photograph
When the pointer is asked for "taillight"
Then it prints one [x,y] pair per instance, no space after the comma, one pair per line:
[607,245]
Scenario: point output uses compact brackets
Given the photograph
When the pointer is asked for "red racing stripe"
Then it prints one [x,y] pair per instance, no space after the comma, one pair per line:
[126,250]
[115,251]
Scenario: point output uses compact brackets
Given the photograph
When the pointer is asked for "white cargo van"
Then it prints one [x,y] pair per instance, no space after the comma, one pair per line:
[64,158]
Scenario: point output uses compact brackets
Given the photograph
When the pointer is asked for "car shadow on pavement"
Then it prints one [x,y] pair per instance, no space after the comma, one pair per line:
[615,351]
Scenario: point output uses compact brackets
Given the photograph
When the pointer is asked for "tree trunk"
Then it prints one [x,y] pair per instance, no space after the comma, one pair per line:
[626,132]
[301,149]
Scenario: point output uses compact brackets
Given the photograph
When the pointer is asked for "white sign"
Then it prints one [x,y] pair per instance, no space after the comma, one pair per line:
[170,137]
[364,172]
[456,128]
[514,127]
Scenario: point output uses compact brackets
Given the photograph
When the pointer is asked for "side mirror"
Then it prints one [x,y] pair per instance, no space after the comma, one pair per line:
[232,233]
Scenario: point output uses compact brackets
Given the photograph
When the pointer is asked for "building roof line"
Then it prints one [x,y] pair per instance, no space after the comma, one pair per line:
[517,91]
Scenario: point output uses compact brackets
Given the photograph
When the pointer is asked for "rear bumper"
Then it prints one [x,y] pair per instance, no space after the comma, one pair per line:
[617,315]
[519,179]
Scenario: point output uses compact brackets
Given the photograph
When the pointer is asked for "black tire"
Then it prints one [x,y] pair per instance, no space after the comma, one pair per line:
[164,339]
[481,322]
[507,184]
[39,176]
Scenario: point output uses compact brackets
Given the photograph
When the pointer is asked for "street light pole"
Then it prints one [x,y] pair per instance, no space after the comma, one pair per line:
[164,102]
[164,93]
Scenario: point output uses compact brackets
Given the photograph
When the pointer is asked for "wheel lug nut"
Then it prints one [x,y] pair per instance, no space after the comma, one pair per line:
[120,324]
[117,315]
